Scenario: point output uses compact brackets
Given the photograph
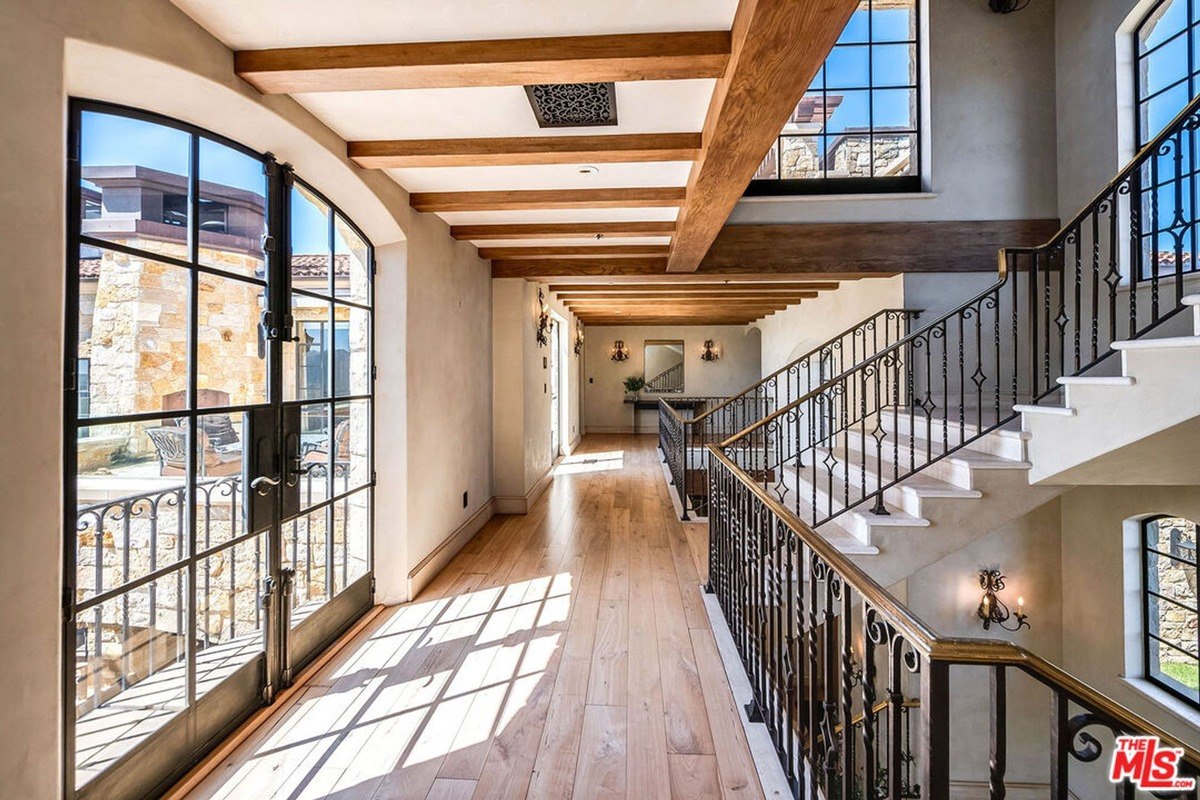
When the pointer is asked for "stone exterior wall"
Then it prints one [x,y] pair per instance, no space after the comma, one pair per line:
[851,157]
[1177,581]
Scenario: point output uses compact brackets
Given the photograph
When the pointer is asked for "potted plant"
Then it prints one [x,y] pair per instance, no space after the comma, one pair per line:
[633,385]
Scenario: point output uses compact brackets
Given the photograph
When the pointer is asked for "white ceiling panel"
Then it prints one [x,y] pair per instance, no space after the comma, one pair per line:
[560,215]
[572,242]
[301,23]
[642,107]
[542,176]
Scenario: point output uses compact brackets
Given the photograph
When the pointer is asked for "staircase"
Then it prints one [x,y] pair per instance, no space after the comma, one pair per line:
[1138,427]
[939,437]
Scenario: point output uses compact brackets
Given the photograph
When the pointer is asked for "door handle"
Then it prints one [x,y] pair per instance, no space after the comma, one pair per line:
[262,484]
[296,469]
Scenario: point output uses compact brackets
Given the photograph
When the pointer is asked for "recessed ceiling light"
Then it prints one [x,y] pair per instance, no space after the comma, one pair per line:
[588,169]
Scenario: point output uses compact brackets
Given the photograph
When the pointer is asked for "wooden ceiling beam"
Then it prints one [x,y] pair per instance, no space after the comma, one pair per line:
[710,287]
[584,300]
[535,199]
[686,302]
[574,251]
[562,230]
[524,150]
[498,62]
[770,66]
[699,319]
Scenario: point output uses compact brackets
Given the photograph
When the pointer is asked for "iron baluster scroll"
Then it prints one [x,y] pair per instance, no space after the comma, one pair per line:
[722,417]
[1117,271]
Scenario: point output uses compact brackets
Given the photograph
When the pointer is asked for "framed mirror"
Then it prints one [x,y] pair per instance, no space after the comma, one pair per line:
[664,365]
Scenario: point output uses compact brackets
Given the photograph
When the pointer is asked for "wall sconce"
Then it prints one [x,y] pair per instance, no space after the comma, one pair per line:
[578,338]
[710,351]
[992,610]
[619,351]
[543,323]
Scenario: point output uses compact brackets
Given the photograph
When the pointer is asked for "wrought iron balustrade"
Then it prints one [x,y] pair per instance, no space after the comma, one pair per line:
[669,380]
[823,644]
[1118,270]
[683,438]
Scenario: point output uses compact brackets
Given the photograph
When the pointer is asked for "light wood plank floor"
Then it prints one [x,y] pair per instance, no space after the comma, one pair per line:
[561,654]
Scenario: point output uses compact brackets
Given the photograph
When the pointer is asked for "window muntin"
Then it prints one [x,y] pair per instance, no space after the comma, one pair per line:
[857,128]
[1171,639]
[1167,77]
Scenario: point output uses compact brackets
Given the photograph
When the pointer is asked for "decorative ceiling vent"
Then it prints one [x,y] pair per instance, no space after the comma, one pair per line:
[572,105]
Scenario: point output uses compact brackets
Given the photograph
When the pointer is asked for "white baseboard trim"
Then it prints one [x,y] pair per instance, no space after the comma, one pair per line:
[432,564]
[520,504]
[574,444]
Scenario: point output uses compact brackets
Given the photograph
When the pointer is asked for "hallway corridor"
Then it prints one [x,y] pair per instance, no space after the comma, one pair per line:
[562,654]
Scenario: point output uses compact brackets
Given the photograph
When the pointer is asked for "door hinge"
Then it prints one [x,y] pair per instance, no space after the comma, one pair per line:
[372,588]
[374,476]
[374,373]
[374,267]
[68,603]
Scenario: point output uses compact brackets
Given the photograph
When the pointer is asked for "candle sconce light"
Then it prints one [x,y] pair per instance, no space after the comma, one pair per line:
[994,611]
[619,351]
[709,353]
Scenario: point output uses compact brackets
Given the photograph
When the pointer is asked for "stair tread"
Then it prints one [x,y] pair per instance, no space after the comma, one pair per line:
[1153,344]
[1009,430]
[964,455]
[918,483]
[1097,380]
[1061,411]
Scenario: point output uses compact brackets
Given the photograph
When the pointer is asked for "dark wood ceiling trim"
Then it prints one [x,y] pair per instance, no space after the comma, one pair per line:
[574,251]
[770,67]
[524,150]
[500,62]
[561,230]
[523,200]
[960,246]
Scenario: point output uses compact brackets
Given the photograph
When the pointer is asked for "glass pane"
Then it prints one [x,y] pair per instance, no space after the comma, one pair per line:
[315,443]
[304,549]
[133,330]
[1163,67]
[769,168]
[894,21]
[220,515]
[893,154]
[352,351]
[894,108]
[231,359]
[310,241]
[848,111]
[229,618]
[352,273]
[352,445]
[351,540]
[306,362]
[129,670]
[801,156]
[1174,668]
[810,113]
[858,28]
[130,490]
[848,68]
[849,156]
[134,178]
[1165,21]
[894,65]
[1157,112]
[233,209]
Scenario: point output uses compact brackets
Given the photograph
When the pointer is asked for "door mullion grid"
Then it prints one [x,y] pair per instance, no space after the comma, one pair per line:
[193,421]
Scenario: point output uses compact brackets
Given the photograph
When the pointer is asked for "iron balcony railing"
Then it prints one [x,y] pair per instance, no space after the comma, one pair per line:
[1116,271]
[669,380]
[823,643]
[133,595]
[683,436]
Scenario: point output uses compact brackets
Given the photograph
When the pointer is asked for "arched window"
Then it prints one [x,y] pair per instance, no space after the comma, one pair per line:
[1167,76]
[1170,639]
[857,128]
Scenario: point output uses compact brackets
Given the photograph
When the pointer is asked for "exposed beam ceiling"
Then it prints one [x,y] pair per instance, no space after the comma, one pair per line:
[562,230]
[770,66]
[587,300]
[524,150]
[574,251]
[707,289]
[654,197]
[506,62]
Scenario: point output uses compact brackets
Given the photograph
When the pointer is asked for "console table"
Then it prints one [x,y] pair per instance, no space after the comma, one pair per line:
[651,404]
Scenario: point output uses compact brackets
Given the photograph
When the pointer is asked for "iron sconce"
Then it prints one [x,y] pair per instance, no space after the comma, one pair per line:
[578,338]
[992,610]
[543,322]
[619,351]
[710,351]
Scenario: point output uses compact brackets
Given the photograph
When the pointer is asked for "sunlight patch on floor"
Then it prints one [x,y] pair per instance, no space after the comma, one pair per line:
[591,462]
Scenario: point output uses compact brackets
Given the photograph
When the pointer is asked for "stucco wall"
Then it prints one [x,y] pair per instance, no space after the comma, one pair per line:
[604,396]
[989,132]
[148,54]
